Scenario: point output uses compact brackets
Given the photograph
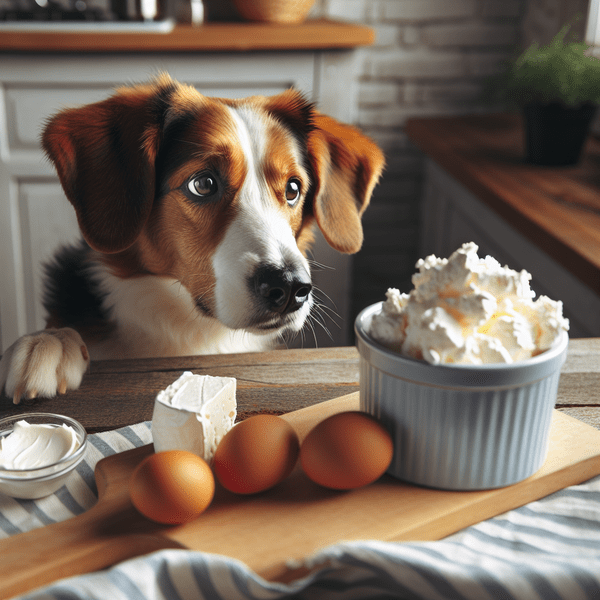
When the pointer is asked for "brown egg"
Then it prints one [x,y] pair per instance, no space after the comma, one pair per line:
[256,454]
[172,487]
[346,451]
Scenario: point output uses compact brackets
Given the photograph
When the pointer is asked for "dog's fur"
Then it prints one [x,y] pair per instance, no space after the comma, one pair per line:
[196,215]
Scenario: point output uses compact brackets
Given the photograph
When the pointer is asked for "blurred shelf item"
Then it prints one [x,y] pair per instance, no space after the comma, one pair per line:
[93,27]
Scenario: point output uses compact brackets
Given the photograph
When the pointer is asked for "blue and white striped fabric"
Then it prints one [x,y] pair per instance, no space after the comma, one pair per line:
[79,493]
[549,549]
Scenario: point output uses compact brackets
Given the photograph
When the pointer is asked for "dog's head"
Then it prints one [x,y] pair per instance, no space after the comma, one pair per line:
[219,194]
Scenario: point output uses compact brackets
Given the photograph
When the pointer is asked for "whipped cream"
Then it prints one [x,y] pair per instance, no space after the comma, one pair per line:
[467,309]
[194,413]
[32,446]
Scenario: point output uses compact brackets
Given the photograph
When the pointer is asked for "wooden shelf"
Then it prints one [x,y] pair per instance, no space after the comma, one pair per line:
[319,34]
[556,208]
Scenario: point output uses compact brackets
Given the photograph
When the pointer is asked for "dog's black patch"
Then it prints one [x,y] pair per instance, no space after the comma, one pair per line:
[161,102]
[72,297]
[297,117]
[173,151]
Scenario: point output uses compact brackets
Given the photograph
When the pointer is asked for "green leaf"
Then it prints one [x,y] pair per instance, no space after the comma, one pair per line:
[557,72]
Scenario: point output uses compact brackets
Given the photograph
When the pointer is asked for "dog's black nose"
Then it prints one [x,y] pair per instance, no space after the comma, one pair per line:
[282,290]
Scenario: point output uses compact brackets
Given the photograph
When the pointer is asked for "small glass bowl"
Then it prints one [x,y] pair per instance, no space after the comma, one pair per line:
[40,481]
[460,427]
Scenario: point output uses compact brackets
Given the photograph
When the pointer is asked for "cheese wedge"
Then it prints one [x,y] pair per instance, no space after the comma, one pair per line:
[194,413]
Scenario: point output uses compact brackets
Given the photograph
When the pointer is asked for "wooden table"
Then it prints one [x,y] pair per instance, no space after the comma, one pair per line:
[118,393]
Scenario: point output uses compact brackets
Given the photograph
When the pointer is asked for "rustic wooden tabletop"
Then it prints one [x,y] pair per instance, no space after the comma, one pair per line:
[118,393]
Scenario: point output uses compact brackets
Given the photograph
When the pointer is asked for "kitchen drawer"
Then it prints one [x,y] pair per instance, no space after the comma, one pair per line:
[27,109]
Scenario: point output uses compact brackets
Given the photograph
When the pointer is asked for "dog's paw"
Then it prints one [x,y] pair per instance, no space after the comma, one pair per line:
[44,363]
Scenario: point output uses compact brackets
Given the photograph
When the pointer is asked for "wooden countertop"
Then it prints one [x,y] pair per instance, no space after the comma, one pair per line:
[118,393]
[121,392]
[557,208]
[318,34]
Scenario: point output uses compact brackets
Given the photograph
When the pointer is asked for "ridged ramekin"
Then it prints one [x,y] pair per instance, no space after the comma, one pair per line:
[460,427]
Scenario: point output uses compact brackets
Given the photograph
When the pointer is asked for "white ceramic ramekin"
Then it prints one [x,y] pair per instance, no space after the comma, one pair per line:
[41,481]
[460,427]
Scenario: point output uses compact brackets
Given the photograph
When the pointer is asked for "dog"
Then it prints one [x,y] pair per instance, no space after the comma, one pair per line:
[196,215]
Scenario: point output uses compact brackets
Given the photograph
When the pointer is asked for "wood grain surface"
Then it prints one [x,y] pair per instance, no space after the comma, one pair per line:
[318,34]
[579,386]
[118,393]
[558,208]
[287,523]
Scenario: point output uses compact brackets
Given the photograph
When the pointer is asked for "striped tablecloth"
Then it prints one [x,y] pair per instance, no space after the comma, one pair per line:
[546,550]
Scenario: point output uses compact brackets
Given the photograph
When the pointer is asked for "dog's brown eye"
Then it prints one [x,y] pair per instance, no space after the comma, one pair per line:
[203,186]
[292,191]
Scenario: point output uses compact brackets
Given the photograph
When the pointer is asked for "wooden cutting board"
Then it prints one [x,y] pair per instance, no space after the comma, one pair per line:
[270,531]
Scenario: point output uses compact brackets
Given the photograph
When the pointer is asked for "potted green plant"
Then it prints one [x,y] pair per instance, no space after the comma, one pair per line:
[557,86]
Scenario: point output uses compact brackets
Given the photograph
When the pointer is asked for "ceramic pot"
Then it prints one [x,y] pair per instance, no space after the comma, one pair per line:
[555,134]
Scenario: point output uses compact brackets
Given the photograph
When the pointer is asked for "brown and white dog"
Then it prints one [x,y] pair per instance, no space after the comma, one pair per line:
[196,214]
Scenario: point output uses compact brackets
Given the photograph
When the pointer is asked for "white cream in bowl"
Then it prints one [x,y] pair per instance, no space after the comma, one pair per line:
[38,452]
[31,446]
[468,310]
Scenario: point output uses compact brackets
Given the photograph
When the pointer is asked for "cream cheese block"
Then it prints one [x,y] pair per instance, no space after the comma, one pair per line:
[194,413]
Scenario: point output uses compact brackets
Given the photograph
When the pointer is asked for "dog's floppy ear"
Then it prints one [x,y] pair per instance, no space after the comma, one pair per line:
[346,166]
[104,154]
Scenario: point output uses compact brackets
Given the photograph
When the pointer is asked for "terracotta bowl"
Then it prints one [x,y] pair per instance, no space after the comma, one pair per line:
[274,11]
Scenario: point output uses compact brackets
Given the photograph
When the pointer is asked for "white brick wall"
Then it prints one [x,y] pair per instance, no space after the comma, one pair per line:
[469,34]
[417,62]
[430,58]
[424,10]
[543,19]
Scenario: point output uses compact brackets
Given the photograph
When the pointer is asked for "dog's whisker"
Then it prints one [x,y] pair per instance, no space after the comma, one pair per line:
[304,336]
[318,319]
[320,294]
[283,341]
[317,266]
[288,337]
[327,311]
[319,315]
[323,306]
[309,323]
